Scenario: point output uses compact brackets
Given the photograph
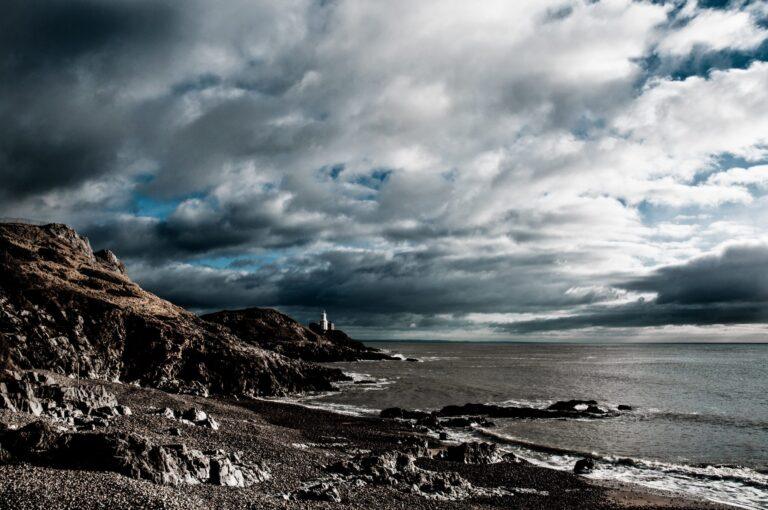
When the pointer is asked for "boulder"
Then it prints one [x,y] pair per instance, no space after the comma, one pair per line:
[194,415]
[584,466]
[624,407]
[473,453]
[209,422]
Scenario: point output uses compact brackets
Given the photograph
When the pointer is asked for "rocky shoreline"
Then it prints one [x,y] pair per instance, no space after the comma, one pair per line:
[164,453]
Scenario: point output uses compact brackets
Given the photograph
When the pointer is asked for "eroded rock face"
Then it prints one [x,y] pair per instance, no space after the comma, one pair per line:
[129,454]
[82,406]
[270,329]
[68,310]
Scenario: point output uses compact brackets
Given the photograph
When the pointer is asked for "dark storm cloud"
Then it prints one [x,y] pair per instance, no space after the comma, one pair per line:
[729,288]
[739,274]
[407,163]
[60,122]
[369,288]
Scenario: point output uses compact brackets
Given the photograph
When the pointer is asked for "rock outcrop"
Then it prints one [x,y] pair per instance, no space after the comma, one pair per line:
[69,310]
[129,454]
[398,469]
[272,330]
[475,453]
[470,415]
[84,406]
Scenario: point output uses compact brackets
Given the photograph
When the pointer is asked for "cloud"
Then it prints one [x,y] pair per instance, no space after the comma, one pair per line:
[714,30]
[730,287]
[399,163]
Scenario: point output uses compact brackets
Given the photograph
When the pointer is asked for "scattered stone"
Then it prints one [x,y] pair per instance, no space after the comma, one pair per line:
[584,466]
[191,416]
[412,360]
[319,491]
[443,436]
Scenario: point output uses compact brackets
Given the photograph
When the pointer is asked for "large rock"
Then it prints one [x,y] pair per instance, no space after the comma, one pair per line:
[68,310]
[473,453]
[584,466]
[270,329]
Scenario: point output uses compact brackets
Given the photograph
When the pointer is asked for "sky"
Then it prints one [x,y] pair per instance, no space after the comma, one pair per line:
[563,170]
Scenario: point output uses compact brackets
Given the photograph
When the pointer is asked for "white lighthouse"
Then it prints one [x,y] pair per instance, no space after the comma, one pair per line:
[324,322]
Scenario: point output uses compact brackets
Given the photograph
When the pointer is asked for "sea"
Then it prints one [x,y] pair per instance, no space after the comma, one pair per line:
[699,424]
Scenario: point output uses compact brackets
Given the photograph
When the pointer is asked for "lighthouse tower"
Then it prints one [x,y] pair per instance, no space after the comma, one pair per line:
[324,322]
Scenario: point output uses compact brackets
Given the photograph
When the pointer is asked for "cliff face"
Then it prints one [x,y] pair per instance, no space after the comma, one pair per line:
[277,332]
[67,309]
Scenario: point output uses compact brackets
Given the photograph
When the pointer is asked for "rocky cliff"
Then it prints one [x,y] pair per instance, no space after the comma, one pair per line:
[72,311]
[275,331]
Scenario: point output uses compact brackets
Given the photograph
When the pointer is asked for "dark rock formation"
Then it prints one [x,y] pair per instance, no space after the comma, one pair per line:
[624,407]
[557,410]
[270,329]
[129,454]
[470,414]
[473,453]
[398,469]
[68,310]
[586,406]
[584,466]
[466,421]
